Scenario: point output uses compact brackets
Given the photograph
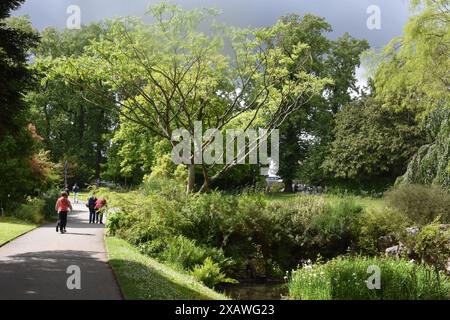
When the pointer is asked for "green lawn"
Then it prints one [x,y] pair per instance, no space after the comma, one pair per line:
[143,278]
[12,228]
[365,202]
[83,195]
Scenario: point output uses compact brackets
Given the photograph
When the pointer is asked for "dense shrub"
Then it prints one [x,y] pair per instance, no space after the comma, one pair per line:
[308,226]
[32,211]
[422,204]
[345,279]
[244,227]
[335,228]
[375,223]
[204,263]
[186,254]
[50,198]
[432,245]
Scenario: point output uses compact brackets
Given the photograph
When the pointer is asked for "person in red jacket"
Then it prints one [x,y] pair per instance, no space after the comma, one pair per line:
[63,206]
[99,208]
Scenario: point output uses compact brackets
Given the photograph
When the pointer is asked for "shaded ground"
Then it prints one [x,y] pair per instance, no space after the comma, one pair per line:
[34,266]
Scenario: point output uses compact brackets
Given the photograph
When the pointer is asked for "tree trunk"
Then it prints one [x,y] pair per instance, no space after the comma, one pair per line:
[288,186]
[191,179]
[98,160]
[206,182]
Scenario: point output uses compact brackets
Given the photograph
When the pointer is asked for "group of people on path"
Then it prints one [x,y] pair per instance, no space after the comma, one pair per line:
[75,189]
[96,209]
[63,206]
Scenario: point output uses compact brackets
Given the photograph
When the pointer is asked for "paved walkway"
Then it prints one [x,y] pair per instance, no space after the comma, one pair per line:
[34,266]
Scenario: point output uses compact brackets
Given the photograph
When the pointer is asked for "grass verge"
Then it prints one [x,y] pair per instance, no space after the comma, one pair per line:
[11,228]
[143,278]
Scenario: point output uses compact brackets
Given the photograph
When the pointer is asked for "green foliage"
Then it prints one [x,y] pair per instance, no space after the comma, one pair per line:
[143,278]
[413,74]
[432,245]
[379,222]
[422,204]
[244,226]
[169,74]
[372,143]
[50,197]
[73,131]
[335,59]
[209,274]
[339,220]
[186,254]
[23,171]
[345,278]
[204,263]
[32,211]
[431,164]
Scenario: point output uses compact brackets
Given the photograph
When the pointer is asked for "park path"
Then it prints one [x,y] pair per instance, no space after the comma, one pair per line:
[35,265]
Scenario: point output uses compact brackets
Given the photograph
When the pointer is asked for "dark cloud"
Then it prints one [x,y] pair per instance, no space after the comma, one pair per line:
[344,15]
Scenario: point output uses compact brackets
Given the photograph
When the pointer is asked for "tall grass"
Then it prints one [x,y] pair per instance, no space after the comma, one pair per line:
[344,278]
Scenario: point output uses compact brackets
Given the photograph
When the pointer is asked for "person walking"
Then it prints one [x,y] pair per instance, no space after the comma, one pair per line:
[67,190]
[75,190]
[100,206]
[63,206]
[92,201]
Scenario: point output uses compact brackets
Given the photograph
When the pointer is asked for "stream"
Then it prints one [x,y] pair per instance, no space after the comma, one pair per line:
[256,290]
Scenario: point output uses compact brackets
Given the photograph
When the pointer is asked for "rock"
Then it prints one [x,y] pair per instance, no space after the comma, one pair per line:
[385,242]
[396,251]
[413,230]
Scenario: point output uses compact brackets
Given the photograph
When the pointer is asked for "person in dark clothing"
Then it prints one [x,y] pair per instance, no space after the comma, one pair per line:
[91,205]
[75,190]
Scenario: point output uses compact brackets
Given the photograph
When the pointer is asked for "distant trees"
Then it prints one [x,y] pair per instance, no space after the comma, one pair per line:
[72,130]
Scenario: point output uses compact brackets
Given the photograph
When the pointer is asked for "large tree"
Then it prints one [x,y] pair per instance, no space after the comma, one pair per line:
[414,75]
[21,173]
[308,130]
[413,72]
[168,75]
[372,145]
[72,131]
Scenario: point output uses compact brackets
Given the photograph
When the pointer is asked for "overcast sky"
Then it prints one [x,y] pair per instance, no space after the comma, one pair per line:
[343,15]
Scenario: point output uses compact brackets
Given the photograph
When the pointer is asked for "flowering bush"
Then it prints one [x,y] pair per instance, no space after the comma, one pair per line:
[347,278]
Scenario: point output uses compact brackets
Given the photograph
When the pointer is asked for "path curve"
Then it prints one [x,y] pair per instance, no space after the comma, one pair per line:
[34,266]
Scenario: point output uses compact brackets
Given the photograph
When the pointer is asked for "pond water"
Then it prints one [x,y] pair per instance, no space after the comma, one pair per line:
[256,291]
